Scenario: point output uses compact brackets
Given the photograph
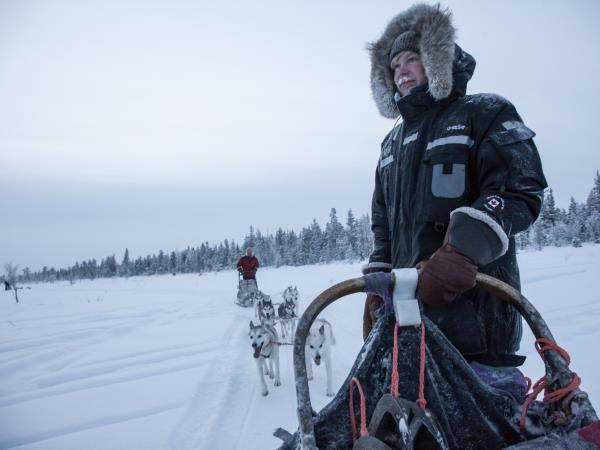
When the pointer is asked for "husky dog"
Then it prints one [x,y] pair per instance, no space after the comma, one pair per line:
[288,311]
[265,343]
[318,346]
[265,311]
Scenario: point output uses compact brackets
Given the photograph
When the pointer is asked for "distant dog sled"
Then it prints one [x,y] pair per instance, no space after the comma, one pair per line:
[247,292]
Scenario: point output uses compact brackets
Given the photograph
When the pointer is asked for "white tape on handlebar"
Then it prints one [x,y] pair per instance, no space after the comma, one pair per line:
[406,306]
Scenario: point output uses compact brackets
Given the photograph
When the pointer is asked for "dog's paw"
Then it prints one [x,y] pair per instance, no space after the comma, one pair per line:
[310,377]
[265,393]
[329,394]
[277,383]
[271,376]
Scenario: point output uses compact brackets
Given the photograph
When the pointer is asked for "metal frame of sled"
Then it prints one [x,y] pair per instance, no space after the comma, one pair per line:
[558,373]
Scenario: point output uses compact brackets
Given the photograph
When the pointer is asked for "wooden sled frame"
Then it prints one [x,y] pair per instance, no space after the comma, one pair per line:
[558,373]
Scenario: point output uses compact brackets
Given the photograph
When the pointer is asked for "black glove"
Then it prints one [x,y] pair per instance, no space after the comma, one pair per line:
[372,304]
[479,239]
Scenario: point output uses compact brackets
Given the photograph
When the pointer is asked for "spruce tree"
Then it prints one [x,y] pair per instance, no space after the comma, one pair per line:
[125,267]
[317,243]
[334,233]
[280,247]
[352,236]
[593,200]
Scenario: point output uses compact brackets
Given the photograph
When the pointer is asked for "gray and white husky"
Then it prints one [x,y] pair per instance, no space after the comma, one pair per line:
[264,310]
[265,343]
[288,311]
[318,347]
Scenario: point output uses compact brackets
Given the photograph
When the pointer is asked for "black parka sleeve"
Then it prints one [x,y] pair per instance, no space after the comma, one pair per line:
[380,226]
[509,172]
[510,183]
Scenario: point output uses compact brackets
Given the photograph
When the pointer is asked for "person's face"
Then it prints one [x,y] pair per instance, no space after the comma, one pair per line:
[249,252]
[408,72]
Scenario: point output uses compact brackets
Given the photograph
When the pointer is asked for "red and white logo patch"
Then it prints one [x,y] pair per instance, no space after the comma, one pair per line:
[493,203]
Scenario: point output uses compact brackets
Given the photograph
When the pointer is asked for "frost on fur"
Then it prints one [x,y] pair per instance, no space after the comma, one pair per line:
[436,43]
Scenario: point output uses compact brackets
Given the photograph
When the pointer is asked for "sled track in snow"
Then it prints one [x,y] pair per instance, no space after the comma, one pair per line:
[107,375]
[196,426]
[86,425]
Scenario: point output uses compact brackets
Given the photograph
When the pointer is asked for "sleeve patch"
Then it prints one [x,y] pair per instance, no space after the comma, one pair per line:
[494,203]
[515,132]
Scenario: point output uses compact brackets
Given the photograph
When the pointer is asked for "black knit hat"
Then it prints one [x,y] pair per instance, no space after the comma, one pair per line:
[407,41]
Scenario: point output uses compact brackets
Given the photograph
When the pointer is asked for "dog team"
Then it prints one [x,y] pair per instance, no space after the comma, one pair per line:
[264,338]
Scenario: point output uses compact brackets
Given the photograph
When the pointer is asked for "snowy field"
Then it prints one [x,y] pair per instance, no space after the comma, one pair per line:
[164,362]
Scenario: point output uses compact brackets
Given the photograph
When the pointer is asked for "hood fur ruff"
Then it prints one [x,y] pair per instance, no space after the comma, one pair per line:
[436,43]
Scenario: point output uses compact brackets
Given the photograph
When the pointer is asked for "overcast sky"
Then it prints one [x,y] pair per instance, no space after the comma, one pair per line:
[159,125]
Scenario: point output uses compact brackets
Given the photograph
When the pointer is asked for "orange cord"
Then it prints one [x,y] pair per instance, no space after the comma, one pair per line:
[363,417]
[394,384]
[421,400]
[542,345]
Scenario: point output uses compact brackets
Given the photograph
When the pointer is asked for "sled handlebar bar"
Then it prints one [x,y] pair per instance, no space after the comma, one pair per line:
[557,370]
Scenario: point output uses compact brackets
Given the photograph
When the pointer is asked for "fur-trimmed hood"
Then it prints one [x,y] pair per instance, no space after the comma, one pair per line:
[442,59]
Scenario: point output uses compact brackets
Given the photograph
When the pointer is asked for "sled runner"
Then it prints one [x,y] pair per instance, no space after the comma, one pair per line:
[565,419]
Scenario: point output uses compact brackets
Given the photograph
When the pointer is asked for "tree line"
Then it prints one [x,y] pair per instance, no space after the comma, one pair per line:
[313,244]
[352,241]
[558,227]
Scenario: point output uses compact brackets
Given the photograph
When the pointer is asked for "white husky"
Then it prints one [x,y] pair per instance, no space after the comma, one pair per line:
[318,346]
[265,343]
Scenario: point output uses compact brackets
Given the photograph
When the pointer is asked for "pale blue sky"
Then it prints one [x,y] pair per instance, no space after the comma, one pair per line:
[150,125]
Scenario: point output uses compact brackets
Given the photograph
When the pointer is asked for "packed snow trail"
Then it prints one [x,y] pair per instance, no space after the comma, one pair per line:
[165,362]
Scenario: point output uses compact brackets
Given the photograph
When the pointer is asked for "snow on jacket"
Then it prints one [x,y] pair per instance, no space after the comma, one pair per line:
[248,265]
[452,152]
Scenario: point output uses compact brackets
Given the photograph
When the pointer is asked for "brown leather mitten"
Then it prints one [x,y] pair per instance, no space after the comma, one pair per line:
[372,304]
[447,274]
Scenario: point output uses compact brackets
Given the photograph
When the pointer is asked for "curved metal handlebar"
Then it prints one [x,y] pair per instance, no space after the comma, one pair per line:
[557,370]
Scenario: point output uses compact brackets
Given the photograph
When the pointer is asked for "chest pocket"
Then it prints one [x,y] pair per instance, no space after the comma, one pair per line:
[445,181]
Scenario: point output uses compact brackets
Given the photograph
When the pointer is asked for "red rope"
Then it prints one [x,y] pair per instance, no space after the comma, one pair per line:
[395,381]
[363,416]
[421,400]
[550,345]
[542,345]
[394,384]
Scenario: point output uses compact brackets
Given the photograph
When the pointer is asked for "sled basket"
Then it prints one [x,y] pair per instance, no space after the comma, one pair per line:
[390,409]
[247,290]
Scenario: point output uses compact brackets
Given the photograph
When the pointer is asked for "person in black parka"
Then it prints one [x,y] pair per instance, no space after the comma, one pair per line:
[457,178]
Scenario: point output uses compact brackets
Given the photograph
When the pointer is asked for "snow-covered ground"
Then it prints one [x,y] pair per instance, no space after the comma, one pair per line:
[165,363]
